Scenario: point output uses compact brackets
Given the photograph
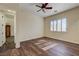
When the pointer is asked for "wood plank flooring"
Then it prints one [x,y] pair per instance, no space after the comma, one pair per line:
[9,44]
[44,47]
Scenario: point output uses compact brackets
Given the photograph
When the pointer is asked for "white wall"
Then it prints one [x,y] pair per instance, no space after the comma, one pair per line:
[30,26]
[72,34]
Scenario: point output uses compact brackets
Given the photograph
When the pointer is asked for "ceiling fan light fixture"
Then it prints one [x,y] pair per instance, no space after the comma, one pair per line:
[43,7]
[55,10]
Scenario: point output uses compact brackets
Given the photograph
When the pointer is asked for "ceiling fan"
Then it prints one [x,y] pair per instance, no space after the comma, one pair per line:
[43,7]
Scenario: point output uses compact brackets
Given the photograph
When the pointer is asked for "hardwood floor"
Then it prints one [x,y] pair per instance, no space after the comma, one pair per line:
[44,47]
[9,44]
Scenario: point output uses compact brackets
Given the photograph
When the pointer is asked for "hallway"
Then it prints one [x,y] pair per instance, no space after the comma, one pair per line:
[9,44]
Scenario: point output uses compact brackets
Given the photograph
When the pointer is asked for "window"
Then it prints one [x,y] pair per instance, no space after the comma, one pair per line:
[54,23]
[59,25]
[64,25]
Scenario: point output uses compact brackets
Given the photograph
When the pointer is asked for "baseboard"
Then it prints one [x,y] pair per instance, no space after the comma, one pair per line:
[32,39]
[63,41]
[50,38]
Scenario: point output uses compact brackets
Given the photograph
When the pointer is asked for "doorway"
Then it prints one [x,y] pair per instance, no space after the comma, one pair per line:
[9,30]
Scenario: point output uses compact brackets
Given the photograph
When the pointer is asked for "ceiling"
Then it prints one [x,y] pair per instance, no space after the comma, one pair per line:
[8,13]
[59,7]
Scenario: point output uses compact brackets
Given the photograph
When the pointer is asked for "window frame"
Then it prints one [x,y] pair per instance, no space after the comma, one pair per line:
[57,25]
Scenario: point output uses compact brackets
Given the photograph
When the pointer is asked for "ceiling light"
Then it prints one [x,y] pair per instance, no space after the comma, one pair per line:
[55,10]
[11,11]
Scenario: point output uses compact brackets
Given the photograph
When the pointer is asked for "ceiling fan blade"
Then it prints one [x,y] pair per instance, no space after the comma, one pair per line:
[39,10]
[38,6]
[48,8]
[45,4]
[42,5]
